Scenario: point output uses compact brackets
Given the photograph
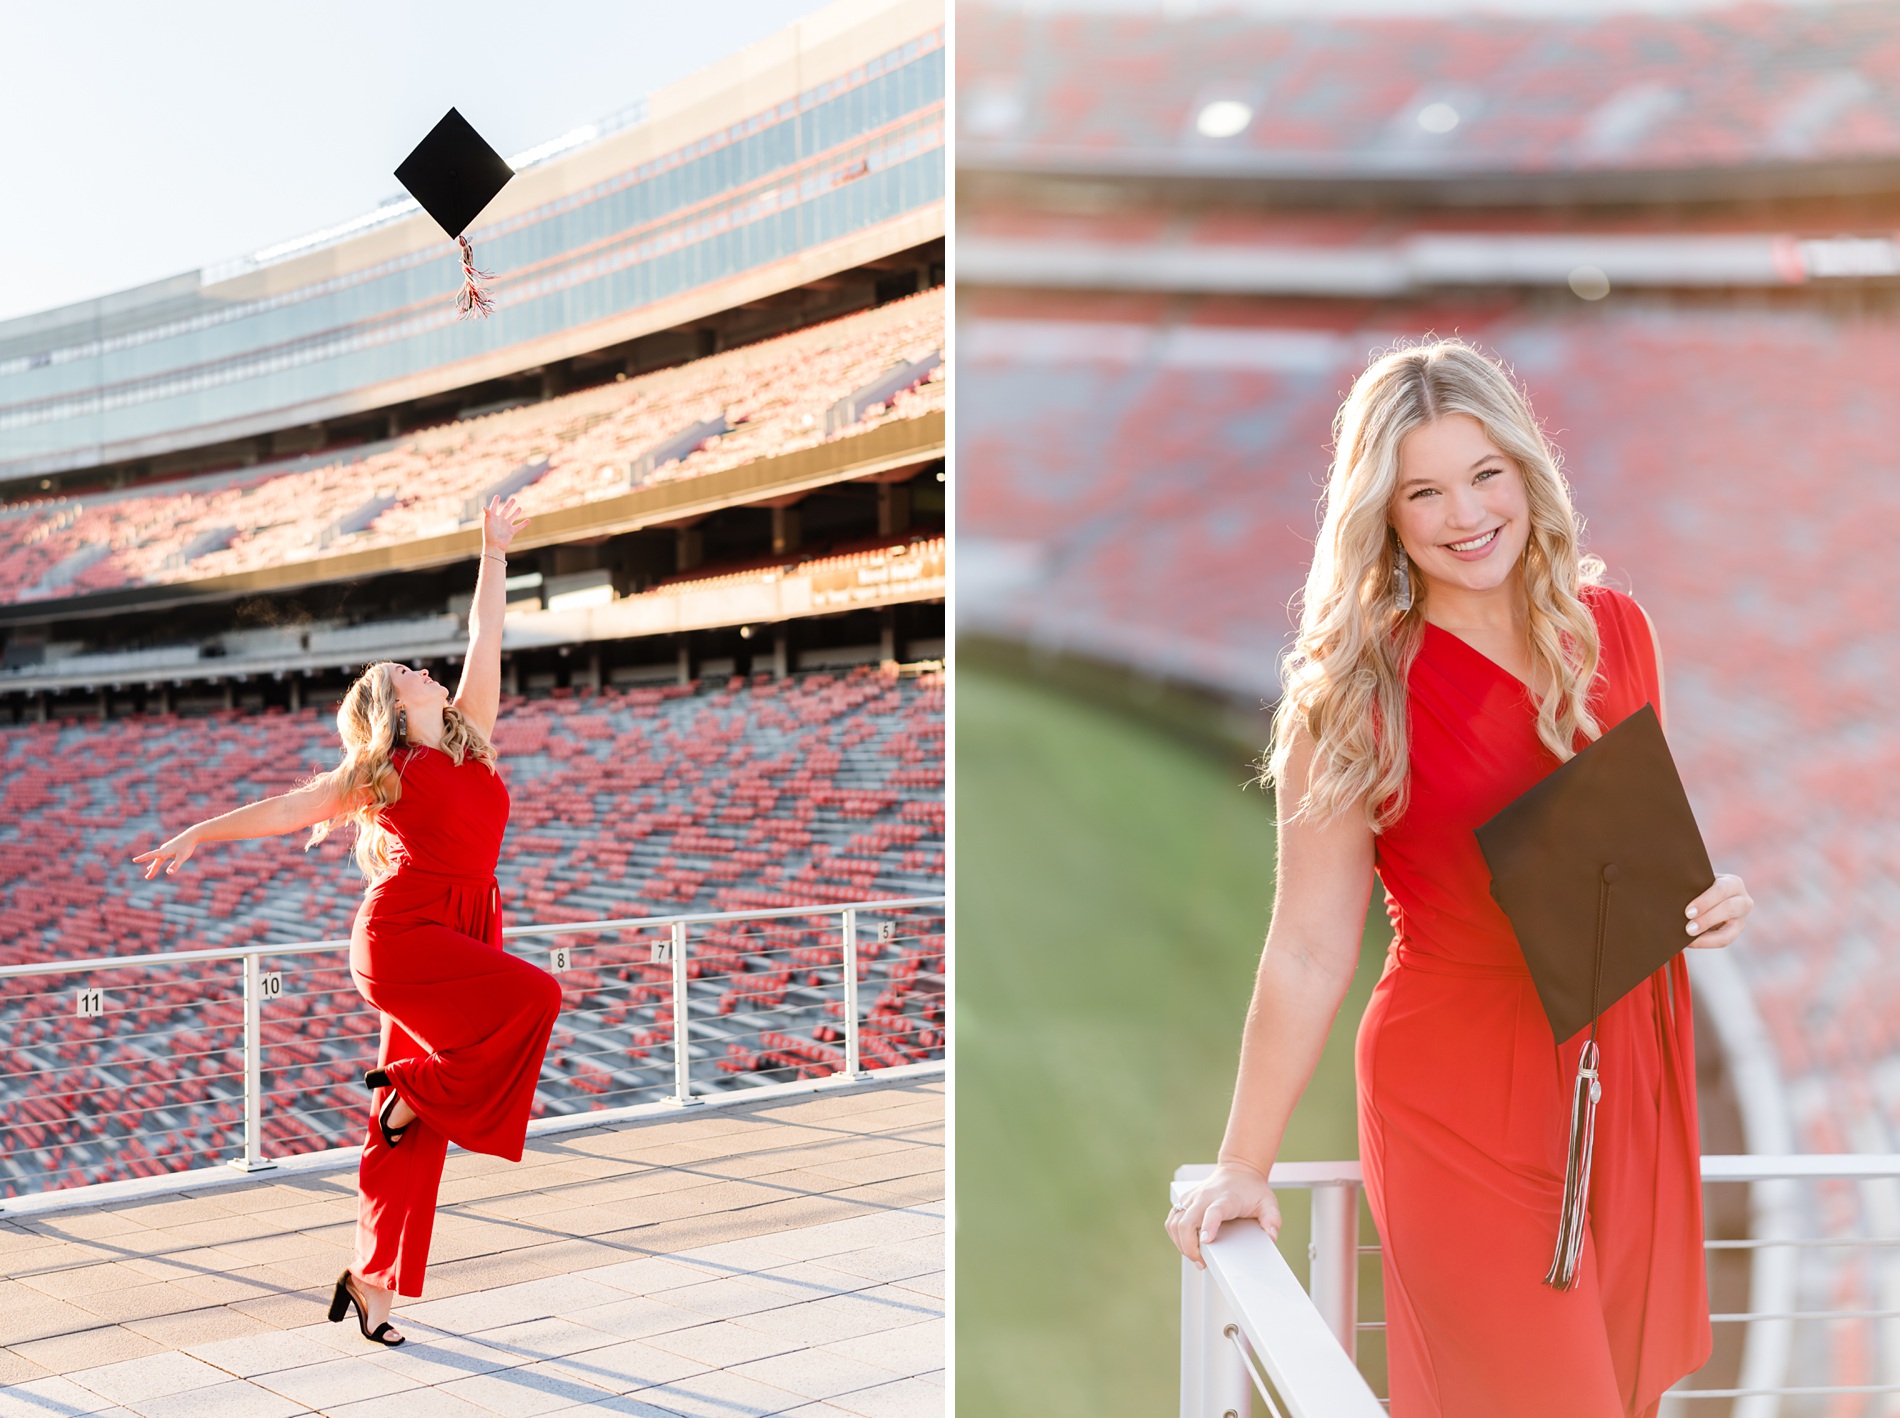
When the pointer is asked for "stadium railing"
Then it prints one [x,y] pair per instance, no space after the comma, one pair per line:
[137,1066]
[1246,1323]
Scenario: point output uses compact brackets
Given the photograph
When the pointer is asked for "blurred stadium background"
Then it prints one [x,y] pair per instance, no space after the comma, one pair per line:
[1182,229]
[714,378]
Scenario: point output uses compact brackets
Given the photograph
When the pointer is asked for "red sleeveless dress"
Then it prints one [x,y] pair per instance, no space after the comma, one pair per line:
[1464,1096]
[465,1024]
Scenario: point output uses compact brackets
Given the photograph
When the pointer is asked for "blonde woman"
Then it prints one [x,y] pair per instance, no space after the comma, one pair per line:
[465,1024]
[1455,646]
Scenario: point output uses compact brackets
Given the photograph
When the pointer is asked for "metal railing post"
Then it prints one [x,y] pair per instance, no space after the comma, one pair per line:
[1193,1289]
[1333,1261]
[253,1159]
[849,929]
[1226,1386]
[682,1059]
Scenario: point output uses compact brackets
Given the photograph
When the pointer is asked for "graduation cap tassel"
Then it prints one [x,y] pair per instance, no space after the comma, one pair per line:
[1583,1127]
[474,299]
[1585,1093]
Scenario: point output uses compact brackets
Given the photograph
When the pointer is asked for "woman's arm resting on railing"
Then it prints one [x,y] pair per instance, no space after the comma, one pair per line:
[268,817]
[478,696]
[1324,880]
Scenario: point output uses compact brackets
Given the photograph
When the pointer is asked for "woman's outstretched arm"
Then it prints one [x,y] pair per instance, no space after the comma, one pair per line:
[478,696]
[1324,881]
[268,817]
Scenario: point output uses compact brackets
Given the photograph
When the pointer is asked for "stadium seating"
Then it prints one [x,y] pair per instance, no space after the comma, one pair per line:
[1735,468]
[1699,88]
[732,795]
[775,396]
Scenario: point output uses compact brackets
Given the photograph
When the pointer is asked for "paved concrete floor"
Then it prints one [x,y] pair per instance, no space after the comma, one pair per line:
[780,1256]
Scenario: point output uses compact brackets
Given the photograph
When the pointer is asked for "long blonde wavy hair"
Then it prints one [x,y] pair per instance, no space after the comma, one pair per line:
[366,781]
[1343,680]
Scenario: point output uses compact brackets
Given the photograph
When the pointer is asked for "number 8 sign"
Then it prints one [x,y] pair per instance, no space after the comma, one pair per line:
[560,958]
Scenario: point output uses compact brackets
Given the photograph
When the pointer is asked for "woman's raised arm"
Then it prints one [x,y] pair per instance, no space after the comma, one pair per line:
[1323,883]
[268,817]
[478,696]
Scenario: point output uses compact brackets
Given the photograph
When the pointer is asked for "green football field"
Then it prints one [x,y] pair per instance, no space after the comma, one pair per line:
[1113,889]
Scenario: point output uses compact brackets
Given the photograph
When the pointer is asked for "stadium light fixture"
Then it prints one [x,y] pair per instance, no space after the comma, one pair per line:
[1223,118]
[1589,282]
[1438,118]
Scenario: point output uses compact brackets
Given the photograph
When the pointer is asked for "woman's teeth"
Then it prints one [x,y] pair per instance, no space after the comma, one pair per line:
[1475,542]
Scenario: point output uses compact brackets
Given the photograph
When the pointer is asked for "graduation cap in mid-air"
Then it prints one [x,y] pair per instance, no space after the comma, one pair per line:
[454,174]
[1595,865]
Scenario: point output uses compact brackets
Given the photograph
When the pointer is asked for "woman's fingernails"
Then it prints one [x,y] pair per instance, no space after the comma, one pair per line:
[1692,910]
[1694,927]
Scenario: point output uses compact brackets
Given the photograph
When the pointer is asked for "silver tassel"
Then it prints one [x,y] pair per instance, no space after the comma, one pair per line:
[1584,1095]
[1583,1130]
[1402,597]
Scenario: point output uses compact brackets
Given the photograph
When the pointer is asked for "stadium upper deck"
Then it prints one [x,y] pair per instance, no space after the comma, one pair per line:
[814,152]
[762,401]
[1807,91]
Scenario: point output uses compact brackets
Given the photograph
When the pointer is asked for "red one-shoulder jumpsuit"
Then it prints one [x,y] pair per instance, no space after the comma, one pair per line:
[1464,1096]
[465,1024]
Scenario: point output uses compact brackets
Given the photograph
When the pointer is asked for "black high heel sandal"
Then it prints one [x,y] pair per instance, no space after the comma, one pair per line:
[373,1080]
[345,1299]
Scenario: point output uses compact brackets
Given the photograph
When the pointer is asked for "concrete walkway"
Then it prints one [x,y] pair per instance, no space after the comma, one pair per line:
[779,1256]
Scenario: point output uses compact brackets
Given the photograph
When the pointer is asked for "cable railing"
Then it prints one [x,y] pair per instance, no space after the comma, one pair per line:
[121,1067]
[1248,1326]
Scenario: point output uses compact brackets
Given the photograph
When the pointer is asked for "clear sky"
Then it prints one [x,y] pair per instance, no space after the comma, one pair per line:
[141,139]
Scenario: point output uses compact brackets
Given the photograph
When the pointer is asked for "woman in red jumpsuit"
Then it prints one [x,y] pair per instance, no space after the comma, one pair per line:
[464,1024]
[1454,648]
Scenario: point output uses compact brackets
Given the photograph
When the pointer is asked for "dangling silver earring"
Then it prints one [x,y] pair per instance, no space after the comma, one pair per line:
[402,728]
[1402,597]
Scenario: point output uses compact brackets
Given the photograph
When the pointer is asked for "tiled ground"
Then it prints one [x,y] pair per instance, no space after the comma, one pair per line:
[784,1256]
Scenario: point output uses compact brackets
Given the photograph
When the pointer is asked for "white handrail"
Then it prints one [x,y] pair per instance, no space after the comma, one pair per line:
[1249,1291]
[305,947]
[1258,1296]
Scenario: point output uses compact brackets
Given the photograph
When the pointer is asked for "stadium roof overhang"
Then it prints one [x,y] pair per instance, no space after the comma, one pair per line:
[890,450]
[1045,174]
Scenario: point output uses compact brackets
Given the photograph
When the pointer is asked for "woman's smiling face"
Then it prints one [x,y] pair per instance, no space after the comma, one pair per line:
[416,689]
[1461,510]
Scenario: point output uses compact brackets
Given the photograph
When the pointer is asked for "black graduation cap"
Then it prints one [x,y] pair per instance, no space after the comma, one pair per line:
[1594,866]
[1606,843]
[454,174]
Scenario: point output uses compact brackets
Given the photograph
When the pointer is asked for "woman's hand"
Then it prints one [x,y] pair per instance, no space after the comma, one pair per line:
[1716,916]
[178,851]
[500,521]
[1232,1190]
